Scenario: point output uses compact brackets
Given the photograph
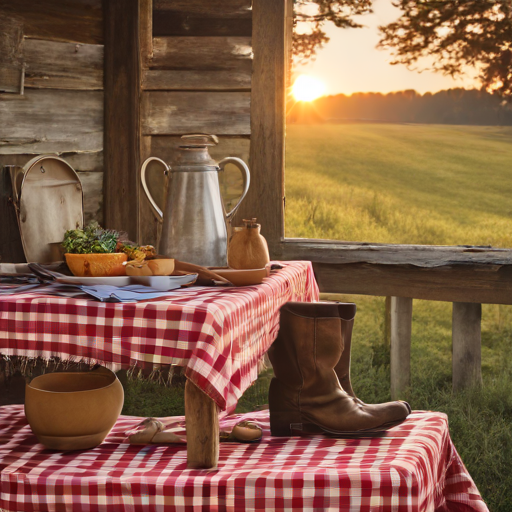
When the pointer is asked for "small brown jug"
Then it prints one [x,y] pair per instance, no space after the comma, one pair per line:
[247,248]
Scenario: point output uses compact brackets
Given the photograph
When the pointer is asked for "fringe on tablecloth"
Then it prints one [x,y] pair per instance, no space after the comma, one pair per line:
[31,367]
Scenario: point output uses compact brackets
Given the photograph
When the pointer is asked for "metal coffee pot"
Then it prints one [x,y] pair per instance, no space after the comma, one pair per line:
[194,219]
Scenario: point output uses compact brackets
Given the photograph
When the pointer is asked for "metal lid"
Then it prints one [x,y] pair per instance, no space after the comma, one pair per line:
[50,201]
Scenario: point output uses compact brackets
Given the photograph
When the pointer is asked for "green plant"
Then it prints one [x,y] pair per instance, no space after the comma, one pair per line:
[92,239]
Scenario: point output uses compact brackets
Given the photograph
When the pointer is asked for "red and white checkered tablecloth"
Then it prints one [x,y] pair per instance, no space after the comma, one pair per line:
[414,467]
[218,334]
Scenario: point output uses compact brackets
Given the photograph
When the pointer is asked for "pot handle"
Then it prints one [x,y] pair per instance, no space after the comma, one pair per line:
[246,177]
[157,210]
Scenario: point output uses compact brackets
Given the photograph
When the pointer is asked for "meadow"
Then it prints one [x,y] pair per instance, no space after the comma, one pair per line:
[420,184]
[398,183]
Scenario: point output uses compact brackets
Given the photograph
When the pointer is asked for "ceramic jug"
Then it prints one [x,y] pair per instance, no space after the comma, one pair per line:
[247,248]
[194,220]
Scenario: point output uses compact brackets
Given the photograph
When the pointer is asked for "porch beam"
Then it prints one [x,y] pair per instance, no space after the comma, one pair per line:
[122,115]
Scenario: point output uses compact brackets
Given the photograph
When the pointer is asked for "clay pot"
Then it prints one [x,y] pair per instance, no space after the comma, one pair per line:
[73,411]
[247,248]
[97,265]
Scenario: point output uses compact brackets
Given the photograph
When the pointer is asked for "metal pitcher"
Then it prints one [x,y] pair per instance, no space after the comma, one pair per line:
[194,218]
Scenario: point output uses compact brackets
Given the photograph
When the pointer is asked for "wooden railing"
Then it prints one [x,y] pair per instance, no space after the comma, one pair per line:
[467,276]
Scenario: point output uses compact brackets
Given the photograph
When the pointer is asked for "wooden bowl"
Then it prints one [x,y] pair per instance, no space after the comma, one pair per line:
[73,411]
[97,265]
[245,277]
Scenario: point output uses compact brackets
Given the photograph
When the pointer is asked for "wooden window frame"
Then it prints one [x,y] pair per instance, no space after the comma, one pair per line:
[455,274]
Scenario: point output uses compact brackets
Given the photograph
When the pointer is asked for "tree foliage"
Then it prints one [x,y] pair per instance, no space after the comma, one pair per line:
[310,16]
[452,34]
[458,34]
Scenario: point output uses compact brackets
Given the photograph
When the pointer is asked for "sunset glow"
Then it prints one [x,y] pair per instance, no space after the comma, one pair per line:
[307,88]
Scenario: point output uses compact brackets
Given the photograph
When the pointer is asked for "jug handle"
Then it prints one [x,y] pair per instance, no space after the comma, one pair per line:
[157,210]
[246,175]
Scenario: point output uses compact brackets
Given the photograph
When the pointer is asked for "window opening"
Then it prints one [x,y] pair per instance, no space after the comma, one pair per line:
[394,137]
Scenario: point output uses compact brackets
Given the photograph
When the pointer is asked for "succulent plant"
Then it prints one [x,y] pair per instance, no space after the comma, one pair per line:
[91,239]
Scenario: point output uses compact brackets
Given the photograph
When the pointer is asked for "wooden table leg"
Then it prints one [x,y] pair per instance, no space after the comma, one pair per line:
[202,420]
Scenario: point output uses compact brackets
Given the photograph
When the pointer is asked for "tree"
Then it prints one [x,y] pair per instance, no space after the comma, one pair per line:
[310,15]
[457,34]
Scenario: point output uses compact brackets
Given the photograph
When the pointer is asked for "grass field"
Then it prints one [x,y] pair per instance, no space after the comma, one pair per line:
[406,184]
[393,183]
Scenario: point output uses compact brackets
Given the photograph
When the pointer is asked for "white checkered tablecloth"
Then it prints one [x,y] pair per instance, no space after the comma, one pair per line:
[414,467]
[219,334]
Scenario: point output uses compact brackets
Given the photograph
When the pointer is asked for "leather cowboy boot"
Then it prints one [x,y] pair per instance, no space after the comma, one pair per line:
[306,395]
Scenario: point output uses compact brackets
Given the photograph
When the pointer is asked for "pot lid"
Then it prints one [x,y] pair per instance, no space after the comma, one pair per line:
[50,202]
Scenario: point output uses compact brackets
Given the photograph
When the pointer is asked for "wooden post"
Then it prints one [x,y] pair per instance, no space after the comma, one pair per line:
[401,324]
[202,419]
[265,199]
[466,345]
[122,115]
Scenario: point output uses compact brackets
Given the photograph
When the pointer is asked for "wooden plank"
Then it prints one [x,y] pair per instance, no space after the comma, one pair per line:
[146,32]
[265,199]
[172,23]
[400,366]
[148,223]
[91,162]
[11,249]
[79,21]
[455,283]
[44,121]
[219,8]
[11,65]
[195,53]
[171,113]
[92,184]
[122,115]
[165,147]
[466,345]
[57,65]
[201,416]
[192,80]
[426,256]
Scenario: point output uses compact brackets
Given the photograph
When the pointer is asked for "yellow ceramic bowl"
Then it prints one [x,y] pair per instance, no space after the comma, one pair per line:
[97,265]
[75,410]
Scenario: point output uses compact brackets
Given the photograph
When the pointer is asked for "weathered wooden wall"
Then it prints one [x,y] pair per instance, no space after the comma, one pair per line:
[193,75]
[55,48]
[197,79]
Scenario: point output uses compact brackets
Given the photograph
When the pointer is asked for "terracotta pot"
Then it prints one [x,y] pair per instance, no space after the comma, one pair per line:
[97,265]
[247,248]
[73,411]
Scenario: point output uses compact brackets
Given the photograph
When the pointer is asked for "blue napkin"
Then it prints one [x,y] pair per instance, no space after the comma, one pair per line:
[133,292]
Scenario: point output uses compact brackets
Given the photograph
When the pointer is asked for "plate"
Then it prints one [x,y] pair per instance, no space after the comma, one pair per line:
[161,283]
[90,281]
[245,277]
[164,283]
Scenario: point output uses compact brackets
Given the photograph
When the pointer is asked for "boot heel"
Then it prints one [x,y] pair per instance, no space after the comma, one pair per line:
[284,419]
[282,424]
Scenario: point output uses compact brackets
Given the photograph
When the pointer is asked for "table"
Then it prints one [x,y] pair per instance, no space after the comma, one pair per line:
[218,334]
[414,467]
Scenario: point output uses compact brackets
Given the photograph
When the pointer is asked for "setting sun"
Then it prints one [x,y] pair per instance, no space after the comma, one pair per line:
[307,88]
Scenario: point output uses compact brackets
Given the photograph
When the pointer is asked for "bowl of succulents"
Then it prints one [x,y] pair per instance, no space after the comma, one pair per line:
[97,252]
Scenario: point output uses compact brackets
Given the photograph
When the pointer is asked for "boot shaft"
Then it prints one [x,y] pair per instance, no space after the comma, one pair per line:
[313,339]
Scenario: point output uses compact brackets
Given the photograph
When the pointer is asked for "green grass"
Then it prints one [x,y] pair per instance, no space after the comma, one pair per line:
[404,184]
[392,183]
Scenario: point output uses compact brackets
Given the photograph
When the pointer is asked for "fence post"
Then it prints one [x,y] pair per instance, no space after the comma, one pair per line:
[401,325]
[466,345]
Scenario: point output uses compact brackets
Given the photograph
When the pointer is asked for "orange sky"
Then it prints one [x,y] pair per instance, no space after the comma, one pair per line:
[350,62]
